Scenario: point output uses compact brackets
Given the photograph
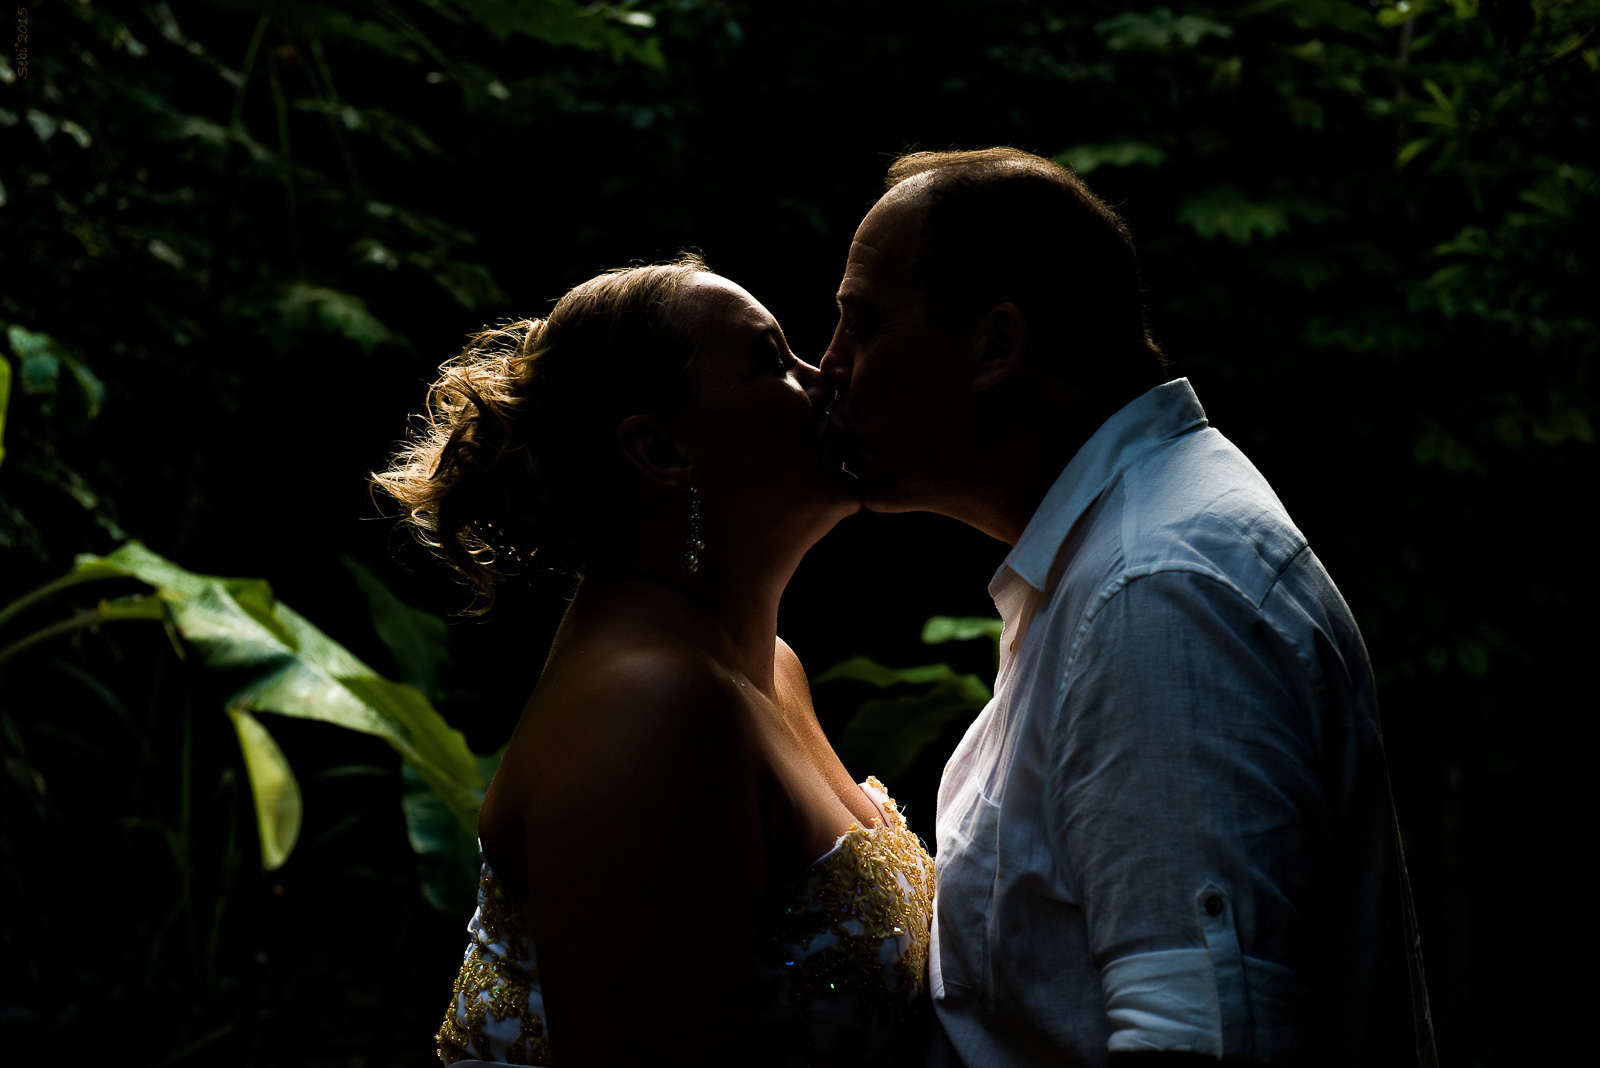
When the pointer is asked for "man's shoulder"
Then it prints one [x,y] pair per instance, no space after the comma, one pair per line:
[1196,503]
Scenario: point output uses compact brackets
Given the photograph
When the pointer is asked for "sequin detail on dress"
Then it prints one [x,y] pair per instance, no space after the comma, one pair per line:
[496,1010]
[849,945]
[839,975]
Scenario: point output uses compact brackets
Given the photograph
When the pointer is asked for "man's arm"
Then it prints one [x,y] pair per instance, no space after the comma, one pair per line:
[1184,805]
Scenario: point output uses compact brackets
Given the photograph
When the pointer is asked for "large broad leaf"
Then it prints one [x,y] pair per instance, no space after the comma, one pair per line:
[447,853]
[416,639]
[941,629]
[281,663]
[272,784]
[887,734]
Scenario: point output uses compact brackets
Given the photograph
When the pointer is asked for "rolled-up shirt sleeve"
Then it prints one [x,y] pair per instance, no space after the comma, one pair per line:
[1184,806]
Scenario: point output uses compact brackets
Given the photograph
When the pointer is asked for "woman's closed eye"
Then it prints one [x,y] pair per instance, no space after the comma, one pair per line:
[772,355]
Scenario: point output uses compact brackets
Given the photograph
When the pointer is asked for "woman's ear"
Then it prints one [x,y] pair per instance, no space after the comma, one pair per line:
[650,448]
[1005,339]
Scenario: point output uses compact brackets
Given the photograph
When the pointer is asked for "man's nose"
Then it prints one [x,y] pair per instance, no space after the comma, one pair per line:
[835,369]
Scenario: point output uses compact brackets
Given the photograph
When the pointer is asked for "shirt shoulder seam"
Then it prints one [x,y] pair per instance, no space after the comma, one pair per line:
[1122,581]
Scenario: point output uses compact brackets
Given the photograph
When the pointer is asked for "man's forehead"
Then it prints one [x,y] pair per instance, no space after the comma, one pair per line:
[884,245]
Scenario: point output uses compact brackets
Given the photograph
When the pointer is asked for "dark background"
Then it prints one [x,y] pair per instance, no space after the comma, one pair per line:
[238,238]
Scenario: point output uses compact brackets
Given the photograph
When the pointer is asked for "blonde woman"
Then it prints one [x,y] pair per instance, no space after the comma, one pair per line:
[677,867]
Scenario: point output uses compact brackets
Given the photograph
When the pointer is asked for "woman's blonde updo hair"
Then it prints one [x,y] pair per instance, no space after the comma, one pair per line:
[515,457]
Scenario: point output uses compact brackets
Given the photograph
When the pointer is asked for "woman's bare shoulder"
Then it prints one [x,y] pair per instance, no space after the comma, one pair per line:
[651,685]
[642,725]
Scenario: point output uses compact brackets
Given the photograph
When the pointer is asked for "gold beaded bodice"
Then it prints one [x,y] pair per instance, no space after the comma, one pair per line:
[840,972]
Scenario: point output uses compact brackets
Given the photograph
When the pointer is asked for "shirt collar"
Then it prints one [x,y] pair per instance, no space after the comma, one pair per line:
[1156,415]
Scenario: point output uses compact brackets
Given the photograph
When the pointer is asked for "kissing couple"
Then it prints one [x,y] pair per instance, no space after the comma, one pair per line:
[1169,838]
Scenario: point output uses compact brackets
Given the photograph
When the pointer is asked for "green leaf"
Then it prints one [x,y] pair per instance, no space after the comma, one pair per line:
[89,385]
[1392,15]
[272,784]
[1085,159]
[1160,31]
[447,853]
[418,640]
[593,27]
[863,669]
[961,628]
[40,358]
[5,402]
[1436,446]
[301,306]
[887,734]
[1225,211]
[283,664]
[1473,658]
[1312,14]
[138,606]
[438,752]
[941,629]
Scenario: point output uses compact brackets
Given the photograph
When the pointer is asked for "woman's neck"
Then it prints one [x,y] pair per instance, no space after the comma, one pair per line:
[730,612]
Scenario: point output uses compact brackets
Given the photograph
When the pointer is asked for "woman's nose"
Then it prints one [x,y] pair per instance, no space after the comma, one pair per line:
[815,385]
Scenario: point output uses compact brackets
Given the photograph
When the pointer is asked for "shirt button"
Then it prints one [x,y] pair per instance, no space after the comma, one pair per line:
[1213,904]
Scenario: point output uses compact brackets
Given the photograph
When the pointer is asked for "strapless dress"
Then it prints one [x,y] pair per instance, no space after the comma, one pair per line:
[840,973]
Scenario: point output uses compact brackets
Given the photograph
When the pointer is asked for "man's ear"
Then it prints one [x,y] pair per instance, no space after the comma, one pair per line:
[650,448]
[1005,339]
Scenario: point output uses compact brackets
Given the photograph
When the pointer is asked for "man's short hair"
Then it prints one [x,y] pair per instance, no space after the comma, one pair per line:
[1002,225]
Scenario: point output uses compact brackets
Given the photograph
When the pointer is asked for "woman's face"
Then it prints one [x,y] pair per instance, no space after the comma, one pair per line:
[755,421]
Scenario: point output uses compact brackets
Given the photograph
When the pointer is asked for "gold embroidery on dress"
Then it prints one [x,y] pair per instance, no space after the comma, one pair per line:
[872,893]
[494,984]
[854,895]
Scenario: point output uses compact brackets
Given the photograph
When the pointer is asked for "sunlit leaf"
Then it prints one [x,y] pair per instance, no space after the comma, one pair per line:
[961,628]
[138,606]
[272,784]
[438,752]
[418,640]
[283,664]
[941,629]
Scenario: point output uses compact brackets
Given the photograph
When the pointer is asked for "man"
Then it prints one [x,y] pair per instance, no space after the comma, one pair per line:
[1169,837]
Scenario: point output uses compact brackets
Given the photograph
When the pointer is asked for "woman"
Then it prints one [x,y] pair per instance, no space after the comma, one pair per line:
[702,879]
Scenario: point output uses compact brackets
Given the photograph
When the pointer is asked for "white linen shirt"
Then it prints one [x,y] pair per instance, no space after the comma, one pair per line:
[1171,828]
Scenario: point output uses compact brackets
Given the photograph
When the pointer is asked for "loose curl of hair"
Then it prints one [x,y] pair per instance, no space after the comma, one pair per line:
[514,463]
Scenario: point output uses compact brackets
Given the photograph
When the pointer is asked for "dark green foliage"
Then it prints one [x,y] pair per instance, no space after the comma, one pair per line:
[236,237]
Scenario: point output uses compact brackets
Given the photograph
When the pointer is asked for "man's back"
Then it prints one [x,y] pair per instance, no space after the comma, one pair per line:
[1171,830]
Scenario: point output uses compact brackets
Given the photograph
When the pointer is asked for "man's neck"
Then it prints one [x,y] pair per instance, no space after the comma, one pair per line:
[1013,463]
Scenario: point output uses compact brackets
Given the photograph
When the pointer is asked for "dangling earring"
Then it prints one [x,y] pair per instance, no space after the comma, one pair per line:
[691,552]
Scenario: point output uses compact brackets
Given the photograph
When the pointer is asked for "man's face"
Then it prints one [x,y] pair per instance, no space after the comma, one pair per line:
[902,396]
